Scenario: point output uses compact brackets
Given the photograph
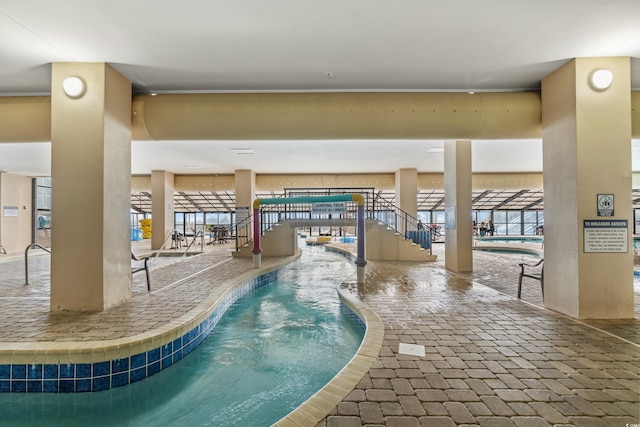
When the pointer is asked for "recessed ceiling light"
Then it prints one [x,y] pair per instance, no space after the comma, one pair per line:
[243,150]
[193,167]
[436,150]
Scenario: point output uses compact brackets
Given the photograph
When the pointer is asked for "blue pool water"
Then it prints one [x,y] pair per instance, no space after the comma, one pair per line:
[270,352]
[515,239]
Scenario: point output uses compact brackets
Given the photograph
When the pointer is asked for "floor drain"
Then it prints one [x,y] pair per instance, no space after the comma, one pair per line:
[411,349]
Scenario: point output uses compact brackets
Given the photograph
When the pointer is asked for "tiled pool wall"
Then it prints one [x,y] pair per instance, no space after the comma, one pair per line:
[350,256]
[345,309]
[90,377]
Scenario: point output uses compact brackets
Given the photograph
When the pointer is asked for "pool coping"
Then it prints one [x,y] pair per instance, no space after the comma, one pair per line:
[318,406]
[96,365]
[517,250]
[90,354]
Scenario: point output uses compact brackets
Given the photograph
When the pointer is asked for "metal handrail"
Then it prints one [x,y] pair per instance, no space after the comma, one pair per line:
[198,234]
[164,244]
[402,222]
[26,259]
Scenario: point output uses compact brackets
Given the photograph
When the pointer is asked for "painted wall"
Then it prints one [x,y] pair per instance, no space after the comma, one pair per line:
[15,231]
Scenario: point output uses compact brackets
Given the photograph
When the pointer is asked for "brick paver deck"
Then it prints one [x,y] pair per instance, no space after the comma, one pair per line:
[490,359]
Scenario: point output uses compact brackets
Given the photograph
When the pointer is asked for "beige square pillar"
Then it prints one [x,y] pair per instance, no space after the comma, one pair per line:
[245,186]
[407,192]
[162,212]
[458,254]
[586,139]
[91,188]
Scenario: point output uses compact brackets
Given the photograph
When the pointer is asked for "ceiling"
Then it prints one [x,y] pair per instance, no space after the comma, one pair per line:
[302,45]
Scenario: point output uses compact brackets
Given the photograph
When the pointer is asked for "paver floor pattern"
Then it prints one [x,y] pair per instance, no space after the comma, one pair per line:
[490,360]
[25,314]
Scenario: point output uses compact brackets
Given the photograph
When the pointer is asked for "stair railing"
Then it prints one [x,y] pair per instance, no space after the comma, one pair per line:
[401,222]
[378,209]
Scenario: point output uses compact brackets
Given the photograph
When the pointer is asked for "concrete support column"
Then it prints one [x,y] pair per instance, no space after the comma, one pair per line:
[91,187]
[245,185]
[407,192]
[162,213]
[458,254]
[587,152]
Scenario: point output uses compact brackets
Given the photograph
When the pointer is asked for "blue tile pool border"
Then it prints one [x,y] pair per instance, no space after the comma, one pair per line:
[104,375]
[98,376]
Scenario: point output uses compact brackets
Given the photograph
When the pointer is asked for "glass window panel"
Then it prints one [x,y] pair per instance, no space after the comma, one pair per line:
[437,217]
[500,217]
[483,216]
[530,217]
[513,216]
[513,229]
[179,222]
[529,228]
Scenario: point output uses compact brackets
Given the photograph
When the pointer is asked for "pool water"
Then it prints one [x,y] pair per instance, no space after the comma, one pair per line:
[518,239]
[270,352]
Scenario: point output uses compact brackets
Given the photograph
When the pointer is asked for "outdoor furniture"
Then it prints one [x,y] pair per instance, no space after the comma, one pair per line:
[144,268]
[533,271]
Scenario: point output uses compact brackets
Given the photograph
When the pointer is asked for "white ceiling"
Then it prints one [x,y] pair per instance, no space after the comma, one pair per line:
[302,45]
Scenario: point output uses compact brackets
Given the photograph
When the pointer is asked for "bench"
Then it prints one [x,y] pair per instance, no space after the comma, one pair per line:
[537,274]
[144,268]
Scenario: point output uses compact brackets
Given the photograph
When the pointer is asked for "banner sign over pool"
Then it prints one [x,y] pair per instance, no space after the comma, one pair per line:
[605,236]
[329,208]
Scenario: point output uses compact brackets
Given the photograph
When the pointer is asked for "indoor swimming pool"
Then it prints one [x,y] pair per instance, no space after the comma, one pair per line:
[512,239]
[271,351]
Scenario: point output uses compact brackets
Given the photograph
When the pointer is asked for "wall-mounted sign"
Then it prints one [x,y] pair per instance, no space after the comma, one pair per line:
[450,217]
[605,204]
[10,211]
[329,207]
[606,235]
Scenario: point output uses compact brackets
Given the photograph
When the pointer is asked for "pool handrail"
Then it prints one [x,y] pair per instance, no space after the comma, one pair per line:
[26,259]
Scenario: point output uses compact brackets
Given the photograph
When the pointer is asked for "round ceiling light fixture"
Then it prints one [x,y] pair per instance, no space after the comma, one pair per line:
[74,87]
[601,79]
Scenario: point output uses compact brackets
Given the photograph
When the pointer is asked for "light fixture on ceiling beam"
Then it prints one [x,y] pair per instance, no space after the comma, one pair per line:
[74,87]
[600,79]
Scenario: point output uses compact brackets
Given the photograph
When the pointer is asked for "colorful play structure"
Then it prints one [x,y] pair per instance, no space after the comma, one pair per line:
[360,261]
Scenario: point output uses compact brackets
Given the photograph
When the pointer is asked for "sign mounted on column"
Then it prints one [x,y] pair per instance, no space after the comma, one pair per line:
[606,236]
[605,204]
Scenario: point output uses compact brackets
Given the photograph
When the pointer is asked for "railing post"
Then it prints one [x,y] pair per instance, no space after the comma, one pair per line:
[257,250]
[26,260]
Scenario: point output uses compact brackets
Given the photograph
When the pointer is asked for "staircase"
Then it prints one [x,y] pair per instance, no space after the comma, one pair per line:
[382,243]
[386,244]
[391,234]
